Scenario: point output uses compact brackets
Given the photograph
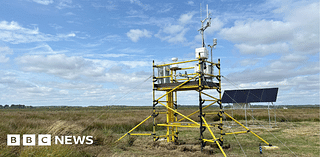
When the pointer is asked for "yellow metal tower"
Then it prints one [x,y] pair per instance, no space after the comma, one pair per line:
[168,78]
[171,83]
[199,81]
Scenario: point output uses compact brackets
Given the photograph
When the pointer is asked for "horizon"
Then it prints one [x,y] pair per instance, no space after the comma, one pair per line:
[186,105]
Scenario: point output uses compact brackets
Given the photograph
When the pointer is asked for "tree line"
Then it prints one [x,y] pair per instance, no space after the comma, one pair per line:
[13,106]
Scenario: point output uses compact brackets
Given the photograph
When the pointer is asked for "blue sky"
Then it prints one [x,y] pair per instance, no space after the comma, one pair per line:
[100,52]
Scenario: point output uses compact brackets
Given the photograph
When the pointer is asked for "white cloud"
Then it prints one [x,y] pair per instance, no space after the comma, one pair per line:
[175,33]
[136,14]
[186,18]
[139,3]
[306,42]
[70,14]
[258,32]
[295,39]
[79,68]
[74,86]
[60,65]
[55,26]
[250,61]
[216,25]
[305,18]
[113,55]
[3,52]
[42,49]
[291,90]
[136,34]
[7,78]
[66,4]
[293,58]
[108,38]
[135,64]
[277,70]
[111,63]
[299,30]
[190,3]
[38,90]
[198,38]
[132,50]
[44,2]
[16,88]
[14,26]
[165,8]
[65,92]
[14,33]
[66,35]
[109,6]
[177,38]
[173,29]
[263,49]
[123,78]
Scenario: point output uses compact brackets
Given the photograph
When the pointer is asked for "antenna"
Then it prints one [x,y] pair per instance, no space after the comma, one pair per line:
[203,21]
[207,11]
[200,12]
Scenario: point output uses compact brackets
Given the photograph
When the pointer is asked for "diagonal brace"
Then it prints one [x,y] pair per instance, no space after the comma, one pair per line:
[196,111]
[176,88]
[134,128]
[214,137]
[247,129]
[179,113]
[209,96]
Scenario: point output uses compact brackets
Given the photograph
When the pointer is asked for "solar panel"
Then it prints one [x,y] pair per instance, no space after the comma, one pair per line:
[250,95]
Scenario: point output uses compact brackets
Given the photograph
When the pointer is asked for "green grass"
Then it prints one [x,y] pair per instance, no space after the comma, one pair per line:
[297,129]
[54,150]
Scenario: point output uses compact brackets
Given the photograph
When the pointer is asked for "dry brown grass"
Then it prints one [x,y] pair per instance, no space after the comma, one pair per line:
[298,129]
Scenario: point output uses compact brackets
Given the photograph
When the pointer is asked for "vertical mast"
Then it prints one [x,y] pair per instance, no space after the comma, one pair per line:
[207,25]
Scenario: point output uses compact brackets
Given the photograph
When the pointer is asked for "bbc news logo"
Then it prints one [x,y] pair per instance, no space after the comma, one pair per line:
[45,140]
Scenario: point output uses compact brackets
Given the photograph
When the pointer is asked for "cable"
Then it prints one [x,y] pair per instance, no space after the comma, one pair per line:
[266,129]
[240,88]
[134,88]
[124,96]
[275,136]
[260,99]
[235,137]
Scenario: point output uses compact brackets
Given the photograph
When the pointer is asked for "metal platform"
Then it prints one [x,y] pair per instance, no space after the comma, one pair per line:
[191,85]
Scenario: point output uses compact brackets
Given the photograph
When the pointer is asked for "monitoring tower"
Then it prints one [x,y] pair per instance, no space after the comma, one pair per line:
[201,77]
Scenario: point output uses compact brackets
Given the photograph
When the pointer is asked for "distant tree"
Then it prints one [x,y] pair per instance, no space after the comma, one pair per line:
[1,106]
[6,106]
[17,106]
[21,106]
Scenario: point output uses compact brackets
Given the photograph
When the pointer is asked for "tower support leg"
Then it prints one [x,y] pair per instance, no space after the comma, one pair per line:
[201,121]
[170,118]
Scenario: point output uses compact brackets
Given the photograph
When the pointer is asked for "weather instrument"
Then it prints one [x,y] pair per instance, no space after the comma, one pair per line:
[204,81]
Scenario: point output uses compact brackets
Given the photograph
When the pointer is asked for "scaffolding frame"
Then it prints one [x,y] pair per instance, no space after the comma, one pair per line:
[248,106]
[192,82]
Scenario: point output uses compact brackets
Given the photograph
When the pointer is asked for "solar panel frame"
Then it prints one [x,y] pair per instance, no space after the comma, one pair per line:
[250,95]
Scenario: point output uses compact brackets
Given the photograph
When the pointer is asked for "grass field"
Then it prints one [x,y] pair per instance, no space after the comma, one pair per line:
[296,132]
